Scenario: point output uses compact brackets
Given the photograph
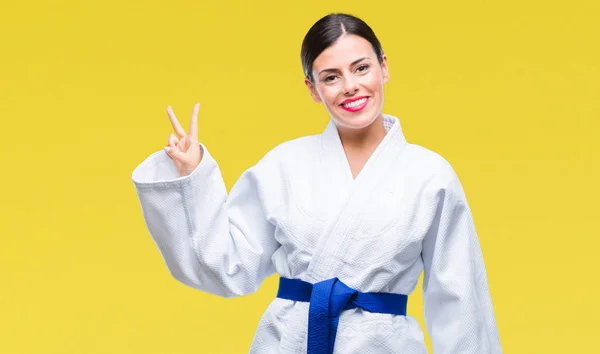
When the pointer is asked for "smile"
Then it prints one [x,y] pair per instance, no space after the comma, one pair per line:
[355,106]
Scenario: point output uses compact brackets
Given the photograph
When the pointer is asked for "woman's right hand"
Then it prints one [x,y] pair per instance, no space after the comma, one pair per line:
[184,149]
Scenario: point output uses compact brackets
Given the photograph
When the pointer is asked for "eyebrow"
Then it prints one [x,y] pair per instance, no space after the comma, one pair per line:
[335,70]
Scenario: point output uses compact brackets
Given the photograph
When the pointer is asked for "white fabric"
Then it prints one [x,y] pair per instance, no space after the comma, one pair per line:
[300,213]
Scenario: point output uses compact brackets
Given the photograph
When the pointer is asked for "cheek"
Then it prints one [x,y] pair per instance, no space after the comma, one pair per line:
[329,94]
[374,82]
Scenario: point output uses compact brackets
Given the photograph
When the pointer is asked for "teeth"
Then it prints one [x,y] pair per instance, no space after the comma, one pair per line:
[355,103]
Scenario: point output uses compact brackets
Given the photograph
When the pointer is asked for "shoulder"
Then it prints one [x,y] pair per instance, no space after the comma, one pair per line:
[435,171]
[429,163]
[291,151]
[271,174]
[278,163]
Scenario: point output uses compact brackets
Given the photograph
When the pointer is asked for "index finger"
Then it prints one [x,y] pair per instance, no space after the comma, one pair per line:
[175,123]
[194,121]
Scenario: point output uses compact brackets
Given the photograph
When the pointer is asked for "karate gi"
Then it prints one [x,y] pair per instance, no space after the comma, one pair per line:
[299,212]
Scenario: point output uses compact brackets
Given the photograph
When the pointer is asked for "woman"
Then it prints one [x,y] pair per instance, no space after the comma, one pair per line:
[348,218]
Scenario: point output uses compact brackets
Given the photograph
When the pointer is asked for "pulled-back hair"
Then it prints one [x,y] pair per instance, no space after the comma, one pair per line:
[327,31]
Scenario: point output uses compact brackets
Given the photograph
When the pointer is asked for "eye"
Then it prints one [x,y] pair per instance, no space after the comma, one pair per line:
[329,78]
[363,67]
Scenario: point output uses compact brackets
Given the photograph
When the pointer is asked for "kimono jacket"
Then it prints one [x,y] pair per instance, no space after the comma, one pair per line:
[299,212]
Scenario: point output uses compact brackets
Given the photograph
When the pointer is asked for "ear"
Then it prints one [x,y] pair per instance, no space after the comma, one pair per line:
[312,90]
[385,70]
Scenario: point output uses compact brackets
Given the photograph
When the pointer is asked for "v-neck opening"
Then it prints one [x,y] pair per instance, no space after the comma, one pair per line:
[388,123]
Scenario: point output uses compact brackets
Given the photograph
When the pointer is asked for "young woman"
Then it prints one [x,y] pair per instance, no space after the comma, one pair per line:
[348,218]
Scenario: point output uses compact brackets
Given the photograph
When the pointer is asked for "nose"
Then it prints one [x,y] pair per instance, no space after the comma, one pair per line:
[350,86]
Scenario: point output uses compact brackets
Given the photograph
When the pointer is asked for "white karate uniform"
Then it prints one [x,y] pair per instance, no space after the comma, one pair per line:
[300,213]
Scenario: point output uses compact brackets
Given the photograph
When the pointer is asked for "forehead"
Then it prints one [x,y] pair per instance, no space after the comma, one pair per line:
[344,51]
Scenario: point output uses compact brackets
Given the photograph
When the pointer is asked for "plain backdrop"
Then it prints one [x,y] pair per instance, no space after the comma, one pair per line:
[508,92]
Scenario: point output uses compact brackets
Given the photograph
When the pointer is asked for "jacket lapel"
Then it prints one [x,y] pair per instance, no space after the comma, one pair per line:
[362,188]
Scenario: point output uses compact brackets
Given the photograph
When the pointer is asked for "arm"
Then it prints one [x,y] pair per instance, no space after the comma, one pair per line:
[458,309]
[211,241]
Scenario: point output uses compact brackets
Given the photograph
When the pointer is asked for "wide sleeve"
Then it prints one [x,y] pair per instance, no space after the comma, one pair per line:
[210,240]
[458,308]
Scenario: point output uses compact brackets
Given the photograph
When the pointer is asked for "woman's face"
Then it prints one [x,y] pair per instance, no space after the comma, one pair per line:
[349,80]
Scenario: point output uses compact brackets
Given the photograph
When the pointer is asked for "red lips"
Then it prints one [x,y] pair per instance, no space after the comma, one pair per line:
[356,108]
[353,99]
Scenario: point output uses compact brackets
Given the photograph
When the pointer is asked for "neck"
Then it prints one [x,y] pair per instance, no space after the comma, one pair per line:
[366,137]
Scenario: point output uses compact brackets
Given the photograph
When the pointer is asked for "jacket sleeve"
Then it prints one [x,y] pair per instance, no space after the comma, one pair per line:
[218,243]
[458,309]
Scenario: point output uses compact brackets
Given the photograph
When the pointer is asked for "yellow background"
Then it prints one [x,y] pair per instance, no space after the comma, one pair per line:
[507,91]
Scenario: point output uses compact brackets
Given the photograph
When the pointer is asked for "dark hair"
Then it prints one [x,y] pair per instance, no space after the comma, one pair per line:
[327,31]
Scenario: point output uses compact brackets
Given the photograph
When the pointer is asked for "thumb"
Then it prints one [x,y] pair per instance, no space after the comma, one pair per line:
[174,153]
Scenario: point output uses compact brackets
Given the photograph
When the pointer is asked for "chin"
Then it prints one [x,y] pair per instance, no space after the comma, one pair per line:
[358,121]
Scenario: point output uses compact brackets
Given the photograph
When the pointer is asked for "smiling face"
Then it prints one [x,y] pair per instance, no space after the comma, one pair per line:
[348,80]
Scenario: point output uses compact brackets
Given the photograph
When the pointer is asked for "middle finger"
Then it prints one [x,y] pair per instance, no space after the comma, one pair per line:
[194,121]
[175,123]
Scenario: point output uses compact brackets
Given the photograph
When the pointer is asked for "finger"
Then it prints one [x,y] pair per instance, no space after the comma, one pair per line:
[183,143]
[175,123]
[194,121]
[168,151]
[173,141]
[174,153]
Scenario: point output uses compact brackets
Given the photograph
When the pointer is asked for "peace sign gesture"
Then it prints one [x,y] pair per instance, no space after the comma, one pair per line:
[184,149]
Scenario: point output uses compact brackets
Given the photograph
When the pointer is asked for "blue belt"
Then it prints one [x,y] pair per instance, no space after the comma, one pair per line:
[328,299]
